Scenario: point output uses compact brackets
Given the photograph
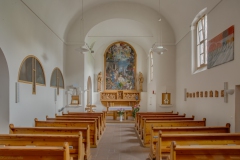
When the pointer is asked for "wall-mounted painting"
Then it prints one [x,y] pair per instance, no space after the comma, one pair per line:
[221,48]
[120,67]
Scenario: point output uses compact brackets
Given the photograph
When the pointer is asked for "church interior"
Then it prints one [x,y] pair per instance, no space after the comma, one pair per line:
[128,67]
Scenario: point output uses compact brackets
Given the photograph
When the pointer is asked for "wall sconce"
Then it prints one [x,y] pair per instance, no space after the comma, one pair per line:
[227,91]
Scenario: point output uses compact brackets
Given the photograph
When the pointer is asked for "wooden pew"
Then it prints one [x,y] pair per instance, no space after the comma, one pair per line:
[75,142]
[99,119]
[92,125]
[148,124]
[103,115]
[153,113]
[149,116]
[209,152]
[181,130]
[194,139]
[35,153]
[57,131]
[142,120]
[62,118]
[83,114]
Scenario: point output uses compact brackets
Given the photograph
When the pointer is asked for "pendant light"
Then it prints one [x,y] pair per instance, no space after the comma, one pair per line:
[157,46]
[84,48]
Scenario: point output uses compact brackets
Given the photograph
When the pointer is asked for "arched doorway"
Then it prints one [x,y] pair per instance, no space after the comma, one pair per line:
[4,94]
[89,91]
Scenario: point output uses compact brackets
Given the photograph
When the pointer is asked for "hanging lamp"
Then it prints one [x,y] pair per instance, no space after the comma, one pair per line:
[84,48]
[157,47]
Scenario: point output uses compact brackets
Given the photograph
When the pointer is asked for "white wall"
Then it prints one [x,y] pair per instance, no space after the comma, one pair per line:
[101,24]
[214,109]
[23,34]
[4,94]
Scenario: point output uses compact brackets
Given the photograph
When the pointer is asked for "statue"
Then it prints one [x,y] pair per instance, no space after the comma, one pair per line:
[99,80]
[140,80]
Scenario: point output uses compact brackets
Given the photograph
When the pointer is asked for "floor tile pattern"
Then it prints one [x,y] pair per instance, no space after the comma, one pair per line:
[119,142]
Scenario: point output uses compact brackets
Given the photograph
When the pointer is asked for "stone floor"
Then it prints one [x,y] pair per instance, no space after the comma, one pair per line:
[119,142]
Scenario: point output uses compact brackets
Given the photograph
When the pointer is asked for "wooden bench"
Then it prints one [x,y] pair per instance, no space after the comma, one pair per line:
[209,152]
[148,124]
[57,131]
[103,114]
[181,130]
[142,120]
[35,153]
[163,144]
[99,119]
[149,116]
[92,125]
[153,113]
[63,118]
[75,142]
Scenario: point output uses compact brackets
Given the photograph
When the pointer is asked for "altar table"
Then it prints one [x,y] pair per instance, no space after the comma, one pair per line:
[117,108]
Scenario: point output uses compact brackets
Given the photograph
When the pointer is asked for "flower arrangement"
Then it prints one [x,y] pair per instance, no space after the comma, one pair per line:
[136,109]
[120,111]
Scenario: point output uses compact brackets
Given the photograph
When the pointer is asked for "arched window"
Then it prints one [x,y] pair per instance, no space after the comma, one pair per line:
[151,65]
[31,71]
[57,79]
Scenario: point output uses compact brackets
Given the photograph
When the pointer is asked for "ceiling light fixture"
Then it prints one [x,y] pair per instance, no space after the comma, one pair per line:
[157,46]
[84,48]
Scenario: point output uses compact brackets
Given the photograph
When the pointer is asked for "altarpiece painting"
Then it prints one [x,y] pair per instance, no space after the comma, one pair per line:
[120,87]
[120,67]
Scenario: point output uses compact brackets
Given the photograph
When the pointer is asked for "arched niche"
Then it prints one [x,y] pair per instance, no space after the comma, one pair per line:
[89,91]
[4,94]
[31,72]
[57,80]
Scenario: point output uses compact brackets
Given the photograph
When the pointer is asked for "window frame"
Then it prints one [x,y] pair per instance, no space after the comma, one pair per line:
[201,40]
[34,59]
[151,65]
[61,75]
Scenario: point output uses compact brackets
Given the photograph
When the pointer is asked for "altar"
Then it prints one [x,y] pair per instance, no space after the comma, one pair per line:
[115,109]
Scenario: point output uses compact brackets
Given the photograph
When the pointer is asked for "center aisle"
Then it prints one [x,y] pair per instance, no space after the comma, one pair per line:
[119,142]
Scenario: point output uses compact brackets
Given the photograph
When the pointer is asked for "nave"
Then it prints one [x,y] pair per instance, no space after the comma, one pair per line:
[119,142]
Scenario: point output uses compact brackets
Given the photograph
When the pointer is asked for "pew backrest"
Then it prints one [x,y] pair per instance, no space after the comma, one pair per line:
[204,152]
[74,141]
[92,125]
[56,131]
[31,153]
[196,139]
[181,130]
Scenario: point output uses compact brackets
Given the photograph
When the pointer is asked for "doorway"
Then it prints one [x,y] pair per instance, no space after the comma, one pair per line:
[4,94]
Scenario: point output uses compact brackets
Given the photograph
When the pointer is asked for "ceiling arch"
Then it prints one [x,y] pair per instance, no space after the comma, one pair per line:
[60,15]
[121,18]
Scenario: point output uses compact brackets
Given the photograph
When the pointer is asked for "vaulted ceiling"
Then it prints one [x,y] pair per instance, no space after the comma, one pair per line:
[59,15]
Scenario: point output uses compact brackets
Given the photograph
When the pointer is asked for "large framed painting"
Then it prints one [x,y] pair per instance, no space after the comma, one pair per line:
[221,48]
[120,67]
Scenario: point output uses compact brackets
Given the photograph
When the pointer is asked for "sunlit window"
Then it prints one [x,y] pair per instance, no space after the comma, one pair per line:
[151,65]
[202,42]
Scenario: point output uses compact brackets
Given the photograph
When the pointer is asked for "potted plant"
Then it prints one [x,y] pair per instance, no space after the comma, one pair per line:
[136,109]
[120,113]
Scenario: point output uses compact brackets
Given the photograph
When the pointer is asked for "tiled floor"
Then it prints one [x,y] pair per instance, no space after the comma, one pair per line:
[119,142]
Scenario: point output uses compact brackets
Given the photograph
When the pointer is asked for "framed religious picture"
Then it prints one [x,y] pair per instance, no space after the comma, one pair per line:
[120,67]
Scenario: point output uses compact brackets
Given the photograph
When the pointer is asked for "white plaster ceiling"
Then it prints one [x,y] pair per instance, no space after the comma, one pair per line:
[59,15]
